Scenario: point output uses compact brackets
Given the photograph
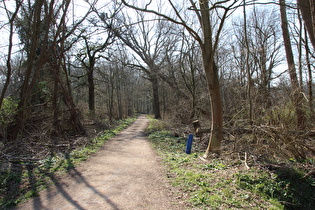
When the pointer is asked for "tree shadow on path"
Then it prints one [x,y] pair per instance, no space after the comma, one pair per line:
[11,181]
[79,178]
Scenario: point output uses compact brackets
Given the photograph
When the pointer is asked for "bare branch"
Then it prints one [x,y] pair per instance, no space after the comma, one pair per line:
[182,23]
[9,69]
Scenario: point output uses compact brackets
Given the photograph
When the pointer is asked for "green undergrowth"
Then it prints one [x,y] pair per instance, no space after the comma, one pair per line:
[23,180]
[225,183]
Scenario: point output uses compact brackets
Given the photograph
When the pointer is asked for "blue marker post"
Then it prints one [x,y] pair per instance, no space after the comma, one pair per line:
[189,143]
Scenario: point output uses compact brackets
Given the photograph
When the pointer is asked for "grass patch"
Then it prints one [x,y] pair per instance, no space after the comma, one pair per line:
[224,183]
[285,184]
[155,125]
[23,180]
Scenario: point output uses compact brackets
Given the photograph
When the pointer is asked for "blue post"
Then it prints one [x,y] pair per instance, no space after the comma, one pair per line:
[189,143]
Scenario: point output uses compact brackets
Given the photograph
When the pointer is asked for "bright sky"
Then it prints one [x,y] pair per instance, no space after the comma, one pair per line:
[78,8]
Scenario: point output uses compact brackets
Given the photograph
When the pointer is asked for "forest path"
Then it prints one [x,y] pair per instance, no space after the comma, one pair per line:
[125,174]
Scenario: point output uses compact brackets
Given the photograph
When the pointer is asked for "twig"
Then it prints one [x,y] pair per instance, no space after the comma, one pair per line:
[244,161]
[311,173]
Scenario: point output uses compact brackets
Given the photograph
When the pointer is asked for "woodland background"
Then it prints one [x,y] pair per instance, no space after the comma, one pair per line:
[70,69]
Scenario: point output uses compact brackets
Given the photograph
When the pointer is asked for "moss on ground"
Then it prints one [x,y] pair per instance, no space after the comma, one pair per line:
[225,183]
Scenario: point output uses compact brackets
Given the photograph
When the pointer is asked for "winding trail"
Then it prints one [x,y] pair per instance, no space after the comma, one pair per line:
[125,174]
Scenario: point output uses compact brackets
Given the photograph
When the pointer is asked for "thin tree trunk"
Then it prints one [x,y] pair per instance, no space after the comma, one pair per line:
[249,78]
[9,68]
[55,107]
[212,76]
[310,77]
[31,74]
[156,99]
[300,50]
[307,8]
[297,97]
[91,88]
[110,103]
[66,93]
[65,86]
[111,89]
[118,94]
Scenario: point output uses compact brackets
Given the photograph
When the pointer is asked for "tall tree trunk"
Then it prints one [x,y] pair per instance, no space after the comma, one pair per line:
[296,96]
[9,68]
[55,106]
[34,63]
[118,94]
[68,99]
[65,85]
[91,88]
[300,66]
[156,99]
[216,135]
[249,77]
[310,77]
[307,8]
[212,76]
[111,97]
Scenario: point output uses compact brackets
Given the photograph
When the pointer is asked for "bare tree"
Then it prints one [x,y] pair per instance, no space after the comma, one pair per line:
[266,50]
[88,56]
[34,63]
[248,71]
[297,97]
[190,69]
[147,41]
[208,41]
[11,17]
[307,8]
[116,85]
[310,74]
[44,38]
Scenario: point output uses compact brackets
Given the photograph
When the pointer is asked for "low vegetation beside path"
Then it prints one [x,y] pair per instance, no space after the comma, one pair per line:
[230,181]
[24,178]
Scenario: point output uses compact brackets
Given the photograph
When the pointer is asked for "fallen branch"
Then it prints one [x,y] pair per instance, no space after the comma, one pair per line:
[244,161]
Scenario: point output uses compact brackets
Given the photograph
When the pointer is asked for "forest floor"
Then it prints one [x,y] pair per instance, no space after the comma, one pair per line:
[125,173]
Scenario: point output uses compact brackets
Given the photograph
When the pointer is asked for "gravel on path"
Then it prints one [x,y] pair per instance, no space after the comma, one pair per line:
[125,174]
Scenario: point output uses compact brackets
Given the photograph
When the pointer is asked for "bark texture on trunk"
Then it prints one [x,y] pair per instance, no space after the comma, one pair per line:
[156,99]
[34,63]
[91,87]
[307,8]
[310,76]
[216,136]
[211,71]
[296,96]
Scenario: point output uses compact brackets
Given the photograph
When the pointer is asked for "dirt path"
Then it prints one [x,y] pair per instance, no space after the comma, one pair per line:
[124,174]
